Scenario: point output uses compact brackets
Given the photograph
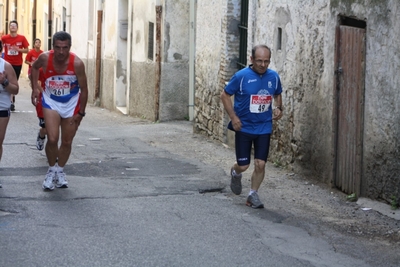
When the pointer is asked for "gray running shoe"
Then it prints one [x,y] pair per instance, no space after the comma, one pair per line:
[40,142]
[254,201]
[236,183]
[61,182]
[48,181]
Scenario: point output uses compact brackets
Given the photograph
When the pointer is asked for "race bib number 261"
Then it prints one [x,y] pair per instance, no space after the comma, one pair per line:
[59,87]
[260,103]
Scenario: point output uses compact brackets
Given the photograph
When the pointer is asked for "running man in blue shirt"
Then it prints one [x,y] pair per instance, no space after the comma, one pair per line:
[255,88]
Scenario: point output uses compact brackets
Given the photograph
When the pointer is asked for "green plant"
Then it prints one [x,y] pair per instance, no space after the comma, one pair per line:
[277,164]
[352,197]
[393,203]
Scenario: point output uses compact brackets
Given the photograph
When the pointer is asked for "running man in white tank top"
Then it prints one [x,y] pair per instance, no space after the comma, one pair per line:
[8,86]
[64,99]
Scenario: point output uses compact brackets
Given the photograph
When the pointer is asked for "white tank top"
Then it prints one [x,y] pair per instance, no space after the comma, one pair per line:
[5,96]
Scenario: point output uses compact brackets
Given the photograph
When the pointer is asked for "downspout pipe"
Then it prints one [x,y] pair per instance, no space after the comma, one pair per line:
[50,22]
[7,11]
[158,63]
[192,43]
[34,21]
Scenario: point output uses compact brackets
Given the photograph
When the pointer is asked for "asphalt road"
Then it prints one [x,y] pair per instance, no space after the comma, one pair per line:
[132,203]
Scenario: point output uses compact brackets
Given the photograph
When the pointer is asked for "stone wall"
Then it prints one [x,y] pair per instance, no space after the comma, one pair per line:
[304,139]
[217,49]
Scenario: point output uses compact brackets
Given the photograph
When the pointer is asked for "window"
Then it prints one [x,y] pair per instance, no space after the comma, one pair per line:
[279,40]
[150,52]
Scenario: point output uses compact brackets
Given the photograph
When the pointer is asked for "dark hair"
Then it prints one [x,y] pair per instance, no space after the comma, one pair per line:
[253,51]
[13,21]
[62,36]
[37,39]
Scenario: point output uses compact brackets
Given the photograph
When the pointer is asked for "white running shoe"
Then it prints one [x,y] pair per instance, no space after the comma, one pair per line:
[40,142]
[48,181]
[61,182]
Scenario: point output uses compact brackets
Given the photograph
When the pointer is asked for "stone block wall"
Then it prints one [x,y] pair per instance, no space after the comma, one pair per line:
[217,49]
[304,139]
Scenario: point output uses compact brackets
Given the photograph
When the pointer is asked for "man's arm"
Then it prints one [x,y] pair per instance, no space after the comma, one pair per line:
[28,59]
[25,47]
[227,102]
[9,74]
[82,81]
[23,50]
[277,112]
[39,63]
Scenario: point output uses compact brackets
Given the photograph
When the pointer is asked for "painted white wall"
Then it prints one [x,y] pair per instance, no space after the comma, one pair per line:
[143,12]
[79,27]
[110,30]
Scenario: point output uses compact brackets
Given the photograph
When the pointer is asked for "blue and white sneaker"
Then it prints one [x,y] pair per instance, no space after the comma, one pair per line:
[61,181]
[48,183]
[40,142]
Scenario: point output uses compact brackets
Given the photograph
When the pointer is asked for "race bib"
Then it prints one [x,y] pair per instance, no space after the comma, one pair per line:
[260,103]
[59,87]
[12,52]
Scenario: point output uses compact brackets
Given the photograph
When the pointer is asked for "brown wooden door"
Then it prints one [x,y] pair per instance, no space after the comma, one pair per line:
[350,108]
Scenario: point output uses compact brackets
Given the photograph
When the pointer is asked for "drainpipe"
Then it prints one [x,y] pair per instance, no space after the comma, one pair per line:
[158,61]
[192,42]
[129,53]
[34,21]
[7,7]
[50,22]
[98,53]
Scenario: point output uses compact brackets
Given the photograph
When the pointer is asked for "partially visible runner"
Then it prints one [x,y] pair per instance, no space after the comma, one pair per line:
[32,55]
[8,86]
[64,102]
[14,46]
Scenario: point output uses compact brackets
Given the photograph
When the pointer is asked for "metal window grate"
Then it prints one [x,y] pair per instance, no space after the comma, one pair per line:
[150,52]
[243,28]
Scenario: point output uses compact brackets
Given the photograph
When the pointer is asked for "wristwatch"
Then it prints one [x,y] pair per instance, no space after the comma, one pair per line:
[82,114]
[5,83]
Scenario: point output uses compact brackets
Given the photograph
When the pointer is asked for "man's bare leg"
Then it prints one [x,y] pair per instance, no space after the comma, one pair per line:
[256,179]
[258,174]
[68,131]
[53,120]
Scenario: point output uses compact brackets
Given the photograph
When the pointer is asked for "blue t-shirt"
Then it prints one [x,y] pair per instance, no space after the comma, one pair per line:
[253,98]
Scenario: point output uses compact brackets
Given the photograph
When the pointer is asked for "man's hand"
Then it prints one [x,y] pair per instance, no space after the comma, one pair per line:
[277,114]
[236,123]
[77,119]
[34,96]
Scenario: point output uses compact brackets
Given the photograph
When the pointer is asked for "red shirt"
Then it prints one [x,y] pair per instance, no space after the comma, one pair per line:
[10,55]
[32,56]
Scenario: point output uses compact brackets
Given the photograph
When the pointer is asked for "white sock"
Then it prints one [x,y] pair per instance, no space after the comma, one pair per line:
[52,168]
[234,173]
[60,169]
[252,191]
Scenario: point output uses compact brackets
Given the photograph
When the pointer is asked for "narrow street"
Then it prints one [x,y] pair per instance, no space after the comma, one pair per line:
[155,194]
